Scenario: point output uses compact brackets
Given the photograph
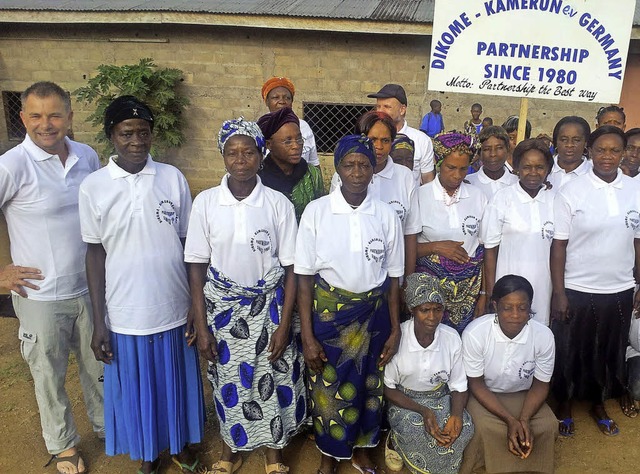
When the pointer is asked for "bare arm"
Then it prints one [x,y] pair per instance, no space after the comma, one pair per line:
[205,341]
[410,253]
[391,346]
[446,248]
[280,337]
[95,263]
[535,398]
[314,355]
[559,301]
[428,176]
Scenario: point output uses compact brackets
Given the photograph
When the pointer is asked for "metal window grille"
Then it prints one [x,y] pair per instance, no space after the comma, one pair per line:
[330,122]
[12,107]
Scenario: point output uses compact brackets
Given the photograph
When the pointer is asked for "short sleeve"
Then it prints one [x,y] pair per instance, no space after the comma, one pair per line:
[287,230]
[492,223]
[185,206]
[391,373]
[395,246]
[412,222]
[458,377]
[310,149]
[426,160]
[305,258]
[335,182]
[8,187]
[89,218]
[562,217]
[472,355]
[545,354]
[197,248]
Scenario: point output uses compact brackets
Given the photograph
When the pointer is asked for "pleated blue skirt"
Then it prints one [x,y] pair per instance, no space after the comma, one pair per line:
[153,396]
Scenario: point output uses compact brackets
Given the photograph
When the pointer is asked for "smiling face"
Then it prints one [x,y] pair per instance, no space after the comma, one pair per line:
[475,113]
[533,170]
[514,311]
[278,98]
[47,120]
[284,145]
[132,140]
[606,154]
[355,173]
[493,154]
[241,158]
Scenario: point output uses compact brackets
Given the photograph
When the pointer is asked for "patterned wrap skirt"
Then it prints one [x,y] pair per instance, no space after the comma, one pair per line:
[152,395]
[258,403]
[419,450]
[459,283]
[346,398]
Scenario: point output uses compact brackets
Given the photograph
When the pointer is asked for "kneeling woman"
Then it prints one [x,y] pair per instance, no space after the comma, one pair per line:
[426,386]
[348,258]
[509,360]
[240,246]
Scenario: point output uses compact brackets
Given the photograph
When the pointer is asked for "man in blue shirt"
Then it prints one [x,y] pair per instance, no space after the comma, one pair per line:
[433,123]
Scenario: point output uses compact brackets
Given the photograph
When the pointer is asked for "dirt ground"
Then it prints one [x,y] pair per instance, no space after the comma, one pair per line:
[23,450]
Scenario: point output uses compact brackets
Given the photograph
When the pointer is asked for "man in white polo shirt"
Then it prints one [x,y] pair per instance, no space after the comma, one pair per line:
[392,100]
[39,181]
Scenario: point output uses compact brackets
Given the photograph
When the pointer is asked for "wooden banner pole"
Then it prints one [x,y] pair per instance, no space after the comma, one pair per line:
[522,118]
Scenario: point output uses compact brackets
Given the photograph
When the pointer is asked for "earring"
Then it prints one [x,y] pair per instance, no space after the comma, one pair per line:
[261,165]
[495,319]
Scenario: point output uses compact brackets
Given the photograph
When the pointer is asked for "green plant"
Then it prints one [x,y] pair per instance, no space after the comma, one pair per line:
[155,86]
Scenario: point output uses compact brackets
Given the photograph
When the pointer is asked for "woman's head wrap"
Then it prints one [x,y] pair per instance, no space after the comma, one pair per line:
[446,143]
[240,126]
[272,122]
[403,142]
[354,144]
[277,82]
[422,288]
[124,108]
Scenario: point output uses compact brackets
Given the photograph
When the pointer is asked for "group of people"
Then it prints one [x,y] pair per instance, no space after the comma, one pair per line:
[449,305]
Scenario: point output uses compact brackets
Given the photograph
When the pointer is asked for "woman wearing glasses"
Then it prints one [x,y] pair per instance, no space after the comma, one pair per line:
[284,169]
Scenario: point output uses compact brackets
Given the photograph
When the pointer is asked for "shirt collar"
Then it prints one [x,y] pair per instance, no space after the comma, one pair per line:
[387,171]
[600,184]
[413,344]
[339,204]
[38,154]
[116,171]
[255,199]
[438,190]
[404,128]
[521,338]
[524,197]
[484,179]
[580,170]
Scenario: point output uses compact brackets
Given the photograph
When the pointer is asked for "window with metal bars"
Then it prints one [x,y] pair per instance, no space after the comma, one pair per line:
[330,122]
[12,107]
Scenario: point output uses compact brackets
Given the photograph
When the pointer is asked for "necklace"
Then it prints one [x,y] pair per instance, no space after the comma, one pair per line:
[450,200]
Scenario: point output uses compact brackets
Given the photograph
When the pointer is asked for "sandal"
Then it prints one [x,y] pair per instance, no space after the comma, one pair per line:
[628,406]
[224,467]
[185,468]
[608,427]
[391,457]
[569,428]
[276,468]
[74,459]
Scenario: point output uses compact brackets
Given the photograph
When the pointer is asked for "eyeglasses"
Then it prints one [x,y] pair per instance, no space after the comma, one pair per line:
[289,143]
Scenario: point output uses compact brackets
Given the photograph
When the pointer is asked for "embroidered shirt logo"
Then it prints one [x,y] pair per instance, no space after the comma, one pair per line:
[632,219]
[470,225]
[527,369]
[166,212]
[548,230]
[439,378]
[261,241]
[374,251]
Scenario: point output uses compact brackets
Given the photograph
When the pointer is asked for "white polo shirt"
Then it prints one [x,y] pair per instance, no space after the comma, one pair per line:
[489,186]
[423,155]
[39,199]
[309,150]
[600,220]
[395,185]
[508,365]
[352,249]
[523,228]
[559,177]
[139,219]
[425,368]
[242,239]
[459,222]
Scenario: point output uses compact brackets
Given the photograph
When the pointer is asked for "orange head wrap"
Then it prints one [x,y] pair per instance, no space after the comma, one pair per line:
[277,82]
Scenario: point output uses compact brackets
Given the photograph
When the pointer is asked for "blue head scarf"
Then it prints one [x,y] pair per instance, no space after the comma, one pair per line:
[240,126]
[354,144]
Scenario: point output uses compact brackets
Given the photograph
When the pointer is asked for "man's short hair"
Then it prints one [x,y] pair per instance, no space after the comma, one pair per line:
[46,89]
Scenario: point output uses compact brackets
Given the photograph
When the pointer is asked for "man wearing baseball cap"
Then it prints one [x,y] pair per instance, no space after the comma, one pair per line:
[392,100]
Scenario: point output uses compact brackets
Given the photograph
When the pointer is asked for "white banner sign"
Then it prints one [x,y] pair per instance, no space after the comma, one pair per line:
[551,49]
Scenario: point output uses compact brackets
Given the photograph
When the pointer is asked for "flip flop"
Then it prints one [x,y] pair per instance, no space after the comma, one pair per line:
[184,467]
[628,406]
[73,459]
[604,425]
[224,467]
[567,422]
